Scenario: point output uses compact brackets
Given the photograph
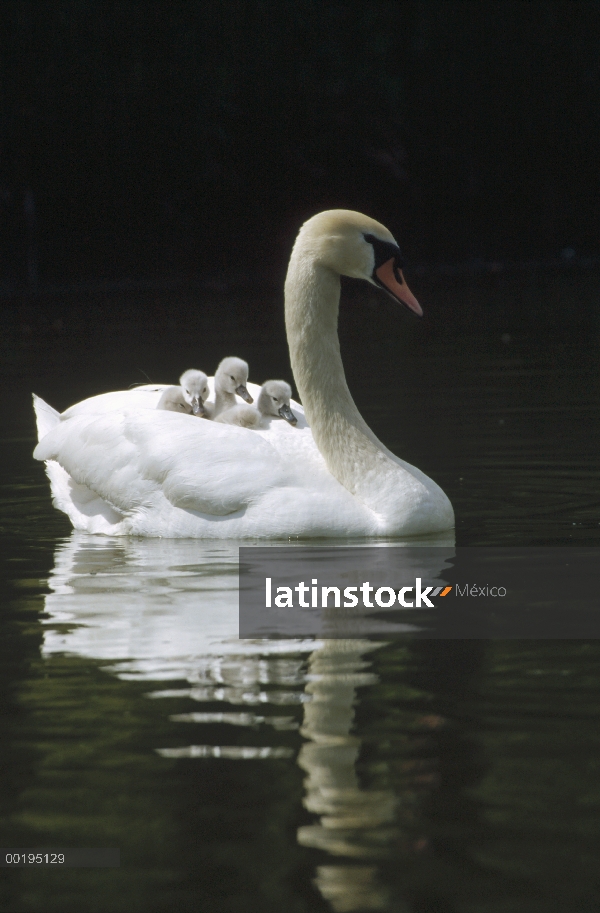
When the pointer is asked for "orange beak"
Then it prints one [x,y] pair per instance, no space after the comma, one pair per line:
[399,290]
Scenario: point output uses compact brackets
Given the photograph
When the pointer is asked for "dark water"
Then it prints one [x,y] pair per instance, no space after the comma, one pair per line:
[338,775]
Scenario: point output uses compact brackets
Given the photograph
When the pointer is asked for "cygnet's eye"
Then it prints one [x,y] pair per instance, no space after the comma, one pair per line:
[232,378]
[275,400]
[188,392]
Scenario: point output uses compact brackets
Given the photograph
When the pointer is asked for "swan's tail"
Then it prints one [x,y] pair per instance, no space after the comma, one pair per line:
[45,416]
[85,509]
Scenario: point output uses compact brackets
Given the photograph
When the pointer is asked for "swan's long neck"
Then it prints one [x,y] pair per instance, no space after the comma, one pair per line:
[352,452]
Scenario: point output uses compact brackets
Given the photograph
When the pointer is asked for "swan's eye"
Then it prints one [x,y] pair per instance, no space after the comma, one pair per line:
[188,392]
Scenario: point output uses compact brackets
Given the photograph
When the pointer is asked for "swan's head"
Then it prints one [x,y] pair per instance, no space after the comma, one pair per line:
[274,399]
[194,388]
[232,376]
[354,245]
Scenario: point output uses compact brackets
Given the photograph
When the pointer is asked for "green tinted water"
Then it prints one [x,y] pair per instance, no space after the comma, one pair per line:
[336,776]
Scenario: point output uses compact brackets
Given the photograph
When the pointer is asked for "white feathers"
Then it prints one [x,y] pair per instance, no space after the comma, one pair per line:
[45,416]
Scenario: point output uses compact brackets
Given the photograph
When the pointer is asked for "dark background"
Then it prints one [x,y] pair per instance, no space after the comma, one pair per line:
[156,161]
[191,139]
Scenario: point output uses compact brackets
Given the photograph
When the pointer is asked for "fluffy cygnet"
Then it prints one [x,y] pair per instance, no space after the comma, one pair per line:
[231,377]
[189,397]
[273,402]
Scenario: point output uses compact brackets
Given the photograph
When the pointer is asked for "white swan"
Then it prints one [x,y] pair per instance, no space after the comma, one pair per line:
[189,397]
[273,402]
[231,378]
[139,472]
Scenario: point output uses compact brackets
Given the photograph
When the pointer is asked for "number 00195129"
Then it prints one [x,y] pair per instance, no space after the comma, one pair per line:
[34,858]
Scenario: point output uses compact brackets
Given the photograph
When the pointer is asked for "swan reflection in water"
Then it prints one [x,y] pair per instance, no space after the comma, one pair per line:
[167,610]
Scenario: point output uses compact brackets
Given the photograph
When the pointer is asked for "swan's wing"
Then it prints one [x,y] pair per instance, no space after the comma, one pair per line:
[132,459]
[146,397]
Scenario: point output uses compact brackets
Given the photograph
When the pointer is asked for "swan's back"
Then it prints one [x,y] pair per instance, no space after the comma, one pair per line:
[142,397]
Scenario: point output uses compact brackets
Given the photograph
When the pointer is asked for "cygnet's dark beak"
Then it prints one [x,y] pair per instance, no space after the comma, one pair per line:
[198,407]
[243,392]
[286,413]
